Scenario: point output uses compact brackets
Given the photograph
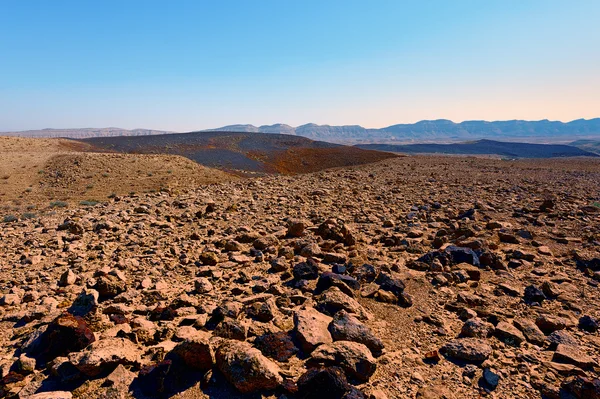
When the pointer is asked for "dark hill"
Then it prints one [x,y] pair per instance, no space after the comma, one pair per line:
[244,152]
[487,147]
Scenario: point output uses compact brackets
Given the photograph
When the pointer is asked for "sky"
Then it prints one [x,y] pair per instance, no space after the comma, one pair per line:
[189,65]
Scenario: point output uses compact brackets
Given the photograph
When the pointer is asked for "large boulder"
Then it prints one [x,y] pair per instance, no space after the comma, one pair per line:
[246,368]
[195,352]
[66,334]
[104,355]
[326,383]
[354,358]
[346,327]
[333,300]
[311,328]
[278,346]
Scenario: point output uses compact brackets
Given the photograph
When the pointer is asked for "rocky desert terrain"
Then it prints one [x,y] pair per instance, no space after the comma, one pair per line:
[39,173]
[414,277]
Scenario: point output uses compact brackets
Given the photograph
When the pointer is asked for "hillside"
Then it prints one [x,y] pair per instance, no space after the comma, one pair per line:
[487,147]
[244,152]
[587,145]
[37,172]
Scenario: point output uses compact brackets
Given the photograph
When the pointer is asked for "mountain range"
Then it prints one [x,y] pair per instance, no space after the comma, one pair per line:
[427,131]
[440,130]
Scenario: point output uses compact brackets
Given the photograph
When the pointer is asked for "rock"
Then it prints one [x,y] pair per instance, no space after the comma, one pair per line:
[354,358]
[463,255]
[531,331]
[10,300]
[25,364]
[195,352]
[231,329]
[583,387]
[265,242]
[589,324]
[105,354]
[209,258]
[109,286]
[573,355]
[278,346]
[311,328]
[280,264]
[476,328]
[365,273]
[246,368]
[533,295]
[561,337]
[52,395]
[549,324]
[490,380]
[306,270]
[296,227]
[86,302]
[345,283]
[346,327]
[333,300]
[67,278]
[388,283]
[66,334]
[120,380]
[260,311]
[472,350]
[203,285]
[509,334]
[323,383]
[508,237]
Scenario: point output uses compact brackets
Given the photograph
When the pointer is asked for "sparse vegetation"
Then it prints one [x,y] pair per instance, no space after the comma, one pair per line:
[29,215]
[9,218]
[58,204]
[89,203]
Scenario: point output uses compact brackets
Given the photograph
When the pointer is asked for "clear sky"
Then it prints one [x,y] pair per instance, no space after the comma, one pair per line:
[187,65]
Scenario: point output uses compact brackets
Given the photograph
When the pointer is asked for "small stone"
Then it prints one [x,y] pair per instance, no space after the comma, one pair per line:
[490,379]
[476,328]
[589,324]
[203,286]
[468,349]
[509,334]
[531,331]
[306,270]
[296,227]
[67,278]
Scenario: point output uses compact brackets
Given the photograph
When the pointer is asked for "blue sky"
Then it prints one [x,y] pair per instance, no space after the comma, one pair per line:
[186,65]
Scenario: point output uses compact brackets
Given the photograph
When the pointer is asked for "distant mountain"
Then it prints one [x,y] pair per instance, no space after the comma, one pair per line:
[433,131]
[487,147]
[440,130]
[85,132]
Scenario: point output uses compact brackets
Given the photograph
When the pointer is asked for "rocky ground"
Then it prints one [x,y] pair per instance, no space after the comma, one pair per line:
[416,277]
